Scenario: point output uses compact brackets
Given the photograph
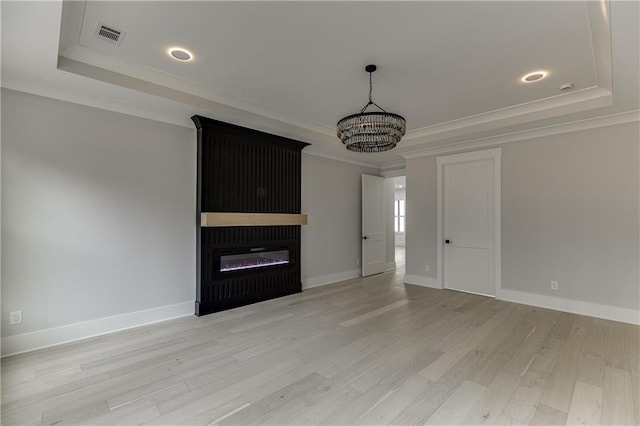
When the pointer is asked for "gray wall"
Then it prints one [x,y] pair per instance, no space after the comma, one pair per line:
[98,213]
[421,220]
[569,213]
[331,196]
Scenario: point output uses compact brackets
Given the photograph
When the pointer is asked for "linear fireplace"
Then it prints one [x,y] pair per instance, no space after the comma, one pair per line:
[254,258]
[246,178]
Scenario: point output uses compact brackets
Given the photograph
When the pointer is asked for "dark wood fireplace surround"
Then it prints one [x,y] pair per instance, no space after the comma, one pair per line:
[242,170]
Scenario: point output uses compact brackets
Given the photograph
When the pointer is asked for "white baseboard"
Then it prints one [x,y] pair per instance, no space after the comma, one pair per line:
[329,278]
[422,281]
[613,313]
[40,339]
[391,266]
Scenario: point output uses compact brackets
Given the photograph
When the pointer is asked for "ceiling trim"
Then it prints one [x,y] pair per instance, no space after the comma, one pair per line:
[88,63]
[600,30]
[574,126]
[64,94]
[67,94]
[581,100]
[81,60]
[168,87]
[315,152]
[396,172]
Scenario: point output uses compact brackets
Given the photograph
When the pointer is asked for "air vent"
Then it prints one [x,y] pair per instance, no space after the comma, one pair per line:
[109,34]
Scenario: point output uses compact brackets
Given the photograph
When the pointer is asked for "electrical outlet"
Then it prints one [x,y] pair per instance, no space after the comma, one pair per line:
[427,268]
[357,261]
[554,285]
[15,318]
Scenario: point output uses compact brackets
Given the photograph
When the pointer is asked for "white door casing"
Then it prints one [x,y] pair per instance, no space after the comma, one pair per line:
[469,217]
[374,212]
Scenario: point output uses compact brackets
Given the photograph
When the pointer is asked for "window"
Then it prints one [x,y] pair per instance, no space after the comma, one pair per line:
[398,216]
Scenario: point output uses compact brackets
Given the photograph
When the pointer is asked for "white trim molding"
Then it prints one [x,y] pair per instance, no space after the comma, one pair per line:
[613,313]
[394,173]
[540,109]
[487,154]
[393,168]
[538,132]
[329,278]
[315,152]
[41,339]
[423,281]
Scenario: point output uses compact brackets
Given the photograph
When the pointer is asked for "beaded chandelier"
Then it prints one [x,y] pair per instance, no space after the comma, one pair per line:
[371,131]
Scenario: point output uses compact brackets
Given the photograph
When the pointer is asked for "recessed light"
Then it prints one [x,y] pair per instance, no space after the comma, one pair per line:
[180,54]
[534,76]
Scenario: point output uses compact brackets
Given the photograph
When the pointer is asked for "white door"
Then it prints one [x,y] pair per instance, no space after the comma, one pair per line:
[374,258]
[469,222]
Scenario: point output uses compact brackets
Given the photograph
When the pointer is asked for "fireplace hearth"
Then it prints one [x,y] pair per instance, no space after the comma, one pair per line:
[245,178]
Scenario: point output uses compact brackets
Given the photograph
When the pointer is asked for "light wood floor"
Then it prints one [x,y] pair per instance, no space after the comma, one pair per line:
[364,351]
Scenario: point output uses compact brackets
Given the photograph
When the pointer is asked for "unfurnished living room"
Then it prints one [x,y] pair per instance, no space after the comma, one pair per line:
[300,213]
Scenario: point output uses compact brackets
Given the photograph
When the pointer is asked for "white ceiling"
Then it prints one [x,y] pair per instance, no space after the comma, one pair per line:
[294,68]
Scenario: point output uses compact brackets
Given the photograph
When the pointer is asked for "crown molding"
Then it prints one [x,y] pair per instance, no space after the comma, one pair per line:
[113,104]
[600,30]
[393,166]
[574,126]
[402,171]
[86,62]
[581,100]
[316,152]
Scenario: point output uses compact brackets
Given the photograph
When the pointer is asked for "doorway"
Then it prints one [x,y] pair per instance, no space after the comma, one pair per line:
[469,221]
[399,218]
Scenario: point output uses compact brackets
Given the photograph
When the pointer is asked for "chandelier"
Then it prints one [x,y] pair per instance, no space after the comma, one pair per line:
[371,131]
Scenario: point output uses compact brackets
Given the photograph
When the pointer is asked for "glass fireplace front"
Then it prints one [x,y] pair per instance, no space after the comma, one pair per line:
[256,259]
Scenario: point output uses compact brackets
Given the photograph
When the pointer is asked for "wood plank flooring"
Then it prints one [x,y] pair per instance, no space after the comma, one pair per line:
[364,351]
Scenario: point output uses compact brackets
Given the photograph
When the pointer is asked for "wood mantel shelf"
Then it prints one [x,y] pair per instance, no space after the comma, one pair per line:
[251,219]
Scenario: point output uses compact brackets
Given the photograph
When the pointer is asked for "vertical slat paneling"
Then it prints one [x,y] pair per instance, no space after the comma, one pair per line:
[249,174]
[243,170]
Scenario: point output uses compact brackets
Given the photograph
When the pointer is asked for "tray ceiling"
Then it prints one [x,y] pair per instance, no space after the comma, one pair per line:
[452,69]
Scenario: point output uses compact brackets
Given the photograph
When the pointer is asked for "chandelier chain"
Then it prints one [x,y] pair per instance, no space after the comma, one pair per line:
[371,96]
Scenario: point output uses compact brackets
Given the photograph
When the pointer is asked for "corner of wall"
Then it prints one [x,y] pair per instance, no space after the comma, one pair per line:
[329,278]
[422,281]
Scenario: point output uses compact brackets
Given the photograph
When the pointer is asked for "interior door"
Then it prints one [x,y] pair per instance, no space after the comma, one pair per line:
[469,227]
[374,259]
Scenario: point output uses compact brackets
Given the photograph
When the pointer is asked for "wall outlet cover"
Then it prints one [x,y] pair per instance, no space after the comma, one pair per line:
[15,318]
[554,285]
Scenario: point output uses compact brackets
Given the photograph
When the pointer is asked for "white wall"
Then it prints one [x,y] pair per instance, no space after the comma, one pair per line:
[98,214]
[569,213]
[331,196]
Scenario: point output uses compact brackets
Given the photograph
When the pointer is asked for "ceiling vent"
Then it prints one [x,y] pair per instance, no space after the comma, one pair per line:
[109,34]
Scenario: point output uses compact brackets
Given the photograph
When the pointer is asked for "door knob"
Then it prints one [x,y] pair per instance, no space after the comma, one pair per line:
[365,237]
[447,241]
